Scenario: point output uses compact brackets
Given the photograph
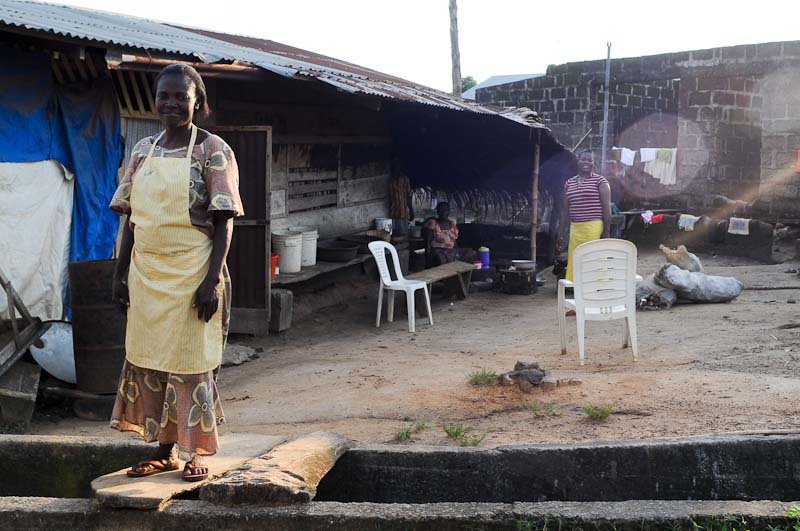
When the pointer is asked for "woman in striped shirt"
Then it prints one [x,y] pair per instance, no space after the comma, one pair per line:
[587,202]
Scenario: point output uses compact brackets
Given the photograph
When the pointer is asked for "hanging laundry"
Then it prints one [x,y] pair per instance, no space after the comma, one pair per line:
[627,157]
[658,218]
[647,217]
[664,155]
[664,166]
[686,222]
[739,226]
[648,154]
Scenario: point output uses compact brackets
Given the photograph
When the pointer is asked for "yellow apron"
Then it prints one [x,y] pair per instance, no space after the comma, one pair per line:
[170,259]
[581,232]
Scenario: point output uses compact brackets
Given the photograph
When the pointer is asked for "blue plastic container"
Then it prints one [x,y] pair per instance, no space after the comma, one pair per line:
[483,254]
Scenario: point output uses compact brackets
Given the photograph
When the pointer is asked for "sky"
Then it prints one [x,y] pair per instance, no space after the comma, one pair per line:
[411,38]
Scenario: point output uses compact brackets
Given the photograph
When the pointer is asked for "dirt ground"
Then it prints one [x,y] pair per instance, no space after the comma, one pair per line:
[702,369]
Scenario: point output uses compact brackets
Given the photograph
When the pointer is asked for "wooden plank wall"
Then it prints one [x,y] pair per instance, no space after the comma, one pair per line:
[332,152]
[338,185]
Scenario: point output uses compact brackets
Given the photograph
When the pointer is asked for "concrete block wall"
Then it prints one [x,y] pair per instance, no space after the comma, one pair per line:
[645,113]
[733,113]
[719,140]
[780,181]
[641,114]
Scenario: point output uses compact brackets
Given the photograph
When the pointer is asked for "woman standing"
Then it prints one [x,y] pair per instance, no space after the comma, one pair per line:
[180,192]
[587,204]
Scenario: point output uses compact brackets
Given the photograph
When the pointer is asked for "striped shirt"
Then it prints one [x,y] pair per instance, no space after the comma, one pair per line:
[584,198]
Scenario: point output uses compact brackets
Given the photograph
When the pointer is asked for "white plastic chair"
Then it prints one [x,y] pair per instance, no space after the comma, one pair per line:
[378,249]
[604,286]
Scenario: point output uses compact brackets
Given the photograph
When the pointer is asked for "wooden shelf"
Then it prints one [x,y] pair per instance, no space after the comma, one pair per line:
[320,268]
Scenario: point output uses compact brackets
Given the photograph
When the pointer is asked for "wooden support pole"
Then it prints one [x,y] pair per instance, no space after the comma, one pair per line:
[81,70]
[125,95]
[136,92]
[68,68]
[91,66]
[454,52]
[535,194]
[148,93]
[57,71]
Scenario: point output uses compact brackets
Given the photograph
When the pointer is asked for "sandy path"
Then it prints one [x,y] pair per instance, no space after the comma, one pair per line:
[703,369]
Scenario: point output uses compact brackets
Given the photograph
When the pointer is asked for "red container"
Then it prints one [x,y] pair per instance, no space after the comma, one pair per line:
[273,264]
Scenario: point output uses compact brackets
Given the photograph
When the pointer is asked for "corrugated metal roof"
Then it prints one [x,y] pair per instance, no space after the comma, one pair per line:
[210,47]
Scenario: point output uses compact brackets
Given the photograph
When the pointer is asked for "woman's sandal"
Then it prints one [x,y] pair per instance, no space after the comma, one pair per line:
[152,466]
[193,472]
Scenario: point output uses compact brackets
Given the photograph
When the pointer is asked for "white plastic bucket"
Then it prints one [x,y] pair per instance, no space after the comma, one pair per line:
[384,224]
[310,236]
[289,246]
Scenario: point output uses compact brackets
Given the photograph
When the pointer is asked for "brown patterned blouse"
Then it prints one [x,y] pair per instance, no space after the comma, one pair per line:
[214,180]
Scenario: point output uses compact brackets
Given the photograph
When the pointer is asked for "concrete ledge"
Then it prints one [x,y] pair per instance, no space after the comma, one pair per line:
[50,514]
[732,467]
[61,466]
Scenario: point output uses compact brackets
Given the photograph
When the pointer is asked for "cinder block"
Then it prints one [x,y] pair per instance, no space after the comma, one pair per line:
[549,383]
[18,388]
[282,308]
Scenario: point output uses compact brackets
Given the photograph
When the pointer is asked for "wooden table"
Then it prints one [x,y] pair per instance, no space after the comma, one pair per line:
[461,270]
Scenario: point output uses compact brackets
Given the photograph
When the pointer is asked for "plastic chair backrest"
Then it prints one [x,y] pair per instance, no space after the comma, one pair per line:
[378,250]
[604,274]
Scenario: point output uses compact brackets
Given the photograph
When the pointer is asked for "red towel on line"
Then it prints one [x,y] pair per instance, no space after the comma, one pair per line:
[658,218]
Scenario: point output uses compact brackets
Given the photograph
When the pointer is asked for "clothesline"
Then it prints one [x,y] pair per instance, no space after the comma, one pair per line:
[661,163]
[686,222]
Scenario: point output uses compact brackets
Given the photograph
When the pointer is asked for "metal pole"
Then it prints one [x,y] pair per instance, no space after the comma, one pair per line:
[535,195]
[605,110]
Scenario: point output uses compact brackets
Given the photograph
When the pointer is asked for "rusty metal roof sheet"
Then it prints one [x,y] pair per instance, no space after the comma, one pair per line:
[211,47]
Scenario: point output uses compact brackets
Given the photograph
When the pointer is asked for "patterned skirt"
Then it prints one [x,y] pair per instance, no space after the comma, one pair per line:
[183,409]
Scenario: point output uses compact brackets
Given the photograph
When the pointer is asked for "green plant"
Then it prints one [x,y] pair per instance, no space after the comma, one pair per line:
[419,426]
[402,435]
[483,377]
[454,430]
[406,433]
[721,523]
[13,428]
[538,412]
[598,414]
[529,525]
[473,440]
[793,514]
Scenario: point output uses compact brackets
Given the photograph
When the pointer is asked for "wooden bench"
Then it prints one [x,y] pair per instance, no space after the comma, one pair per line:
[461,270]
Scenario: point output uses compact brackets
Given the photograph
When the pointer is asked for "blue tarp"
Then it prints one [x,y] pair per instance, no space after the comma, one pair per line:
[79,126]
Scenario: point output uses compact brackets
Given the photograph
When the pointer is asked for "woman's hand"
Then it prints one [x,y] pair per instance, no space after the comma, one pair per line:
[206,299]
[119,291]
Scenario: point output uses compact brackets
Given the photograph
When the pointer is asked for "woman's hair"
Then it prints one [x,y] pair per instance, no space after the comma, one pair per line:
[585,150]
[181,69]
[442,204]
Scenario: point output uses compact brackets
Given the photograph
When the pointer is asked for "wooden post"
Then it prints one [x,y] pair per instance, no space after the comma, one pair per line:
[535,194]
[456,56]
